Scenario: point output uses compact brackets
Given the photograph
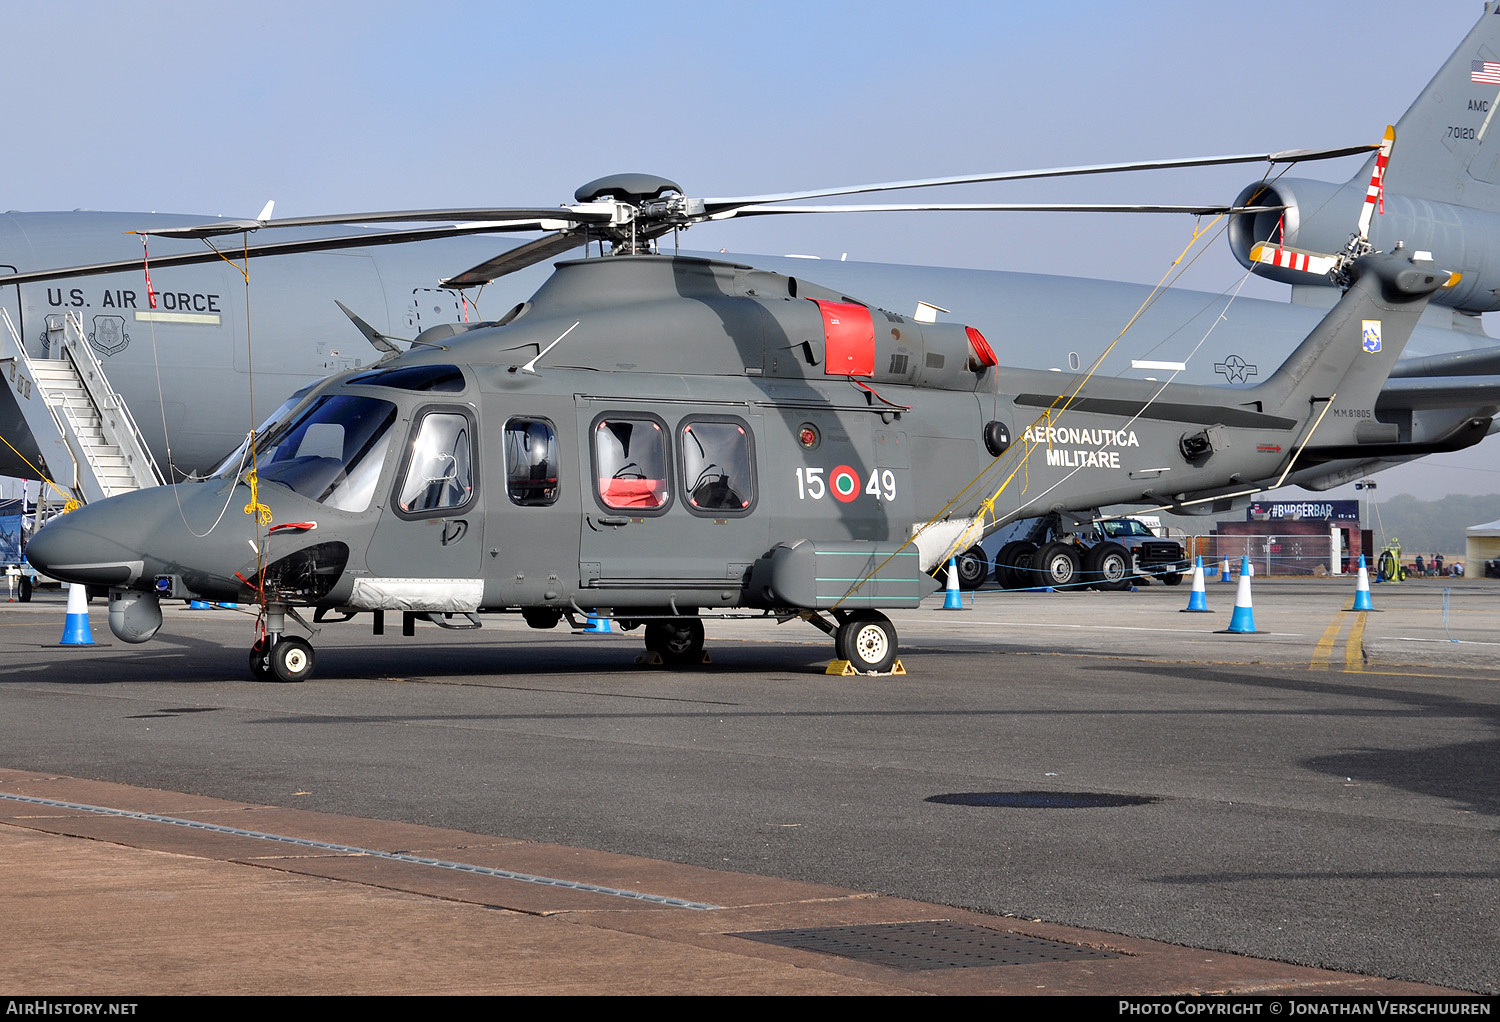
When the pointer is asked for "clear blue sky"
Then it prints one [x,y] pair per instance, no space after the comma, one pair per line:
[211,107]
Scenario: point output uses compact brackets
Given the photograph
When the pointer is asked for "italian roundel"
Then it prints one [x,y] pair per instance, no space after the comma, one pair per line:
[844,482]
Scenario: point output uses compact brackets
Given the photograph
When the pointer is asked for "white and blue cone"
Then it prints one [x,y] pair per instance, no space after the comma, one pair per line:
[598,626]
[76,631]
[1362,588]
[1224,575]
[1198,598]
[953,599]
[1242,622]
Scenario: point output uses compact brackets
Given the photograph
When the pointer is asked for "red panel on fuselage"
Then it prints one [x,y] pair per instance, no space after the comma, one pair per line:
[849,339]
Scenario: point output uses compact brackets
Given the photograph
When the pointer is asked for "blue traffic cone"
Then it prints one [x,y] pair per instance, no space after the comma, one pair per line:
[1224,575]
[227,606]
[1198,598]
[1242,622]
[598,626]
[952,599]
[1362,588]
[76,631]
[198,605]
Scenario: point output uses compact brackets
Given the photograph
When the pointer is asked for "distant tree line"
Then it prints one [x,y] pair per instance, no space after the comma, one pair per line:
[1431,526]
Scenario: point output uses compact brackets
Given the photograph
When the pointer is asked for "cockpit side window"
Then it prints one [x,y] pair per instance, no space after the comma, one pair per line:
[531,475]
[440,470]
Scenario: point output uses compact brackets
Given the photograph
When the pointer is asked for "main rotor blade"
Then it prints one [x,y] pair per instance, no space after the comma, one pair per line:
[273,249]
[1285,156]
[999,207]
[217,227]
[517,258]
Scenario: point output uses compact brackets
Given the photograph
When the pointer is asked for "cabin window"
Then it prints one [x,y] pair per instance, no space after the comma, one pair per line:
[332,453]
[630,459]
[440,471]
[531,462]
[718,466]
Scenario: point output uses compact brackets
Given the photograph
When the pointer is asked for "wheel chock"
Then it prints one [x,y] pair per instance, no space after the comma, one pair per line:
[651,658]
[844,669]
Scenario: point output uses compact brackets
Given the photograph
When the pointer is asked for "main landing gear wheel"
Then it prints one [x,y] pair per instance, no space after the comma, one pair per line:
[973,566]
[1013,564]
[1056,564]
[1109,567]
[867,639]
[678,643]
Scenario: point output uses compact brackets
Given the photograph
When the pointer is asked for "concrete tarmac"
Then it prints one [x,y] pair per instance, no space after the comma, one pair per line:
[1166,810]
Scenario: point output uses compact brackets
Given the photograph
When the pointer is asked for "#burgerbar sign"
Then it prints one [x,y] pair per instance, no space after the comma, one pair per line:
[1305,510]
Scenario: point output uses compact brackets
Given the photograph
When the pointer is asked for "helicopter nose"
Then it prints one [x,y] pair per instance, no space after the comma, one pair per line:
[88,545]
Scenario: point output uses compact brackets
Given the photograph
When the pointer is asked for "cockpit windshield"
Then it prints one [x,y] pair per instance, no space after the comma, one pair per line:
[237,459]
[332,452]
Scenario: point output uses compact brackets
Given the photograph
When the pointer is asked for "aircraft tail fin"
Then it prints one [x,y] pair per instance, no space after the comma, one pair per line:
[1451,132]
[1347,358]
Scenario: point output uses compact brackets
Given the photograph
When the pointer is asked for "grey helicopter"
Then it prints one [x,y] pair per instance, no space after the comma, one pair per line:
[657,439]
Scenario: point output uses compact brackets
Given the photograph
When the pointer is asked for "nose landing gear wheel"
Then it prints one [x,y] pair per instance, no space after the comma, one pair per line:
[867,639]
[679,643]
[290,659]
[260,662]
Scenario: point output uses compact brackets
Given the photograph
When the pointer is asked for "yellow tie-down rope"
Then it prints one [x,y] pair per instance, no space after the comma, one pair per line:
[261,512]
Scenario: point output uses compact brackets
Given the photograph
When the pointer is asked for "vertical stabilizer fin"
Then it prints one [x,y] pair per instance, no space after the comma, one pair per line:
[1451,133]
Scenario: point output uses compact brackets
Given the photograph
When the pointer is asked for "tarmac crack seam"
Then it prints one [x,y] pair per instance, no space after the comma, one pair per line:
[419,860]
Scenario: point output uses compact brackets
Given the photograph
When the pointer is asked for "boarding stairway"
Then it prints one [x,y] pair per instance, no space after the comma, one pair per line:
[86,435]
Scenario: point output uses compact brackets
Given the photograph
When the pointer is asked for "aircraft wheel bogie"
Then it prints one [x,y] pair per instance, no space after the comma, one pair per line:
[678,643]
[292,659]
[867,639]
